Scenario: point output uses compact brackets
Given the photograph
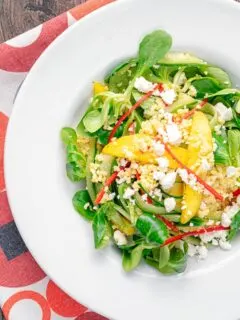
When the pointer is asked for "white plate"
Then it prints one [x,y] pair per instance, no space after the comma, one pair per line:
[54,95]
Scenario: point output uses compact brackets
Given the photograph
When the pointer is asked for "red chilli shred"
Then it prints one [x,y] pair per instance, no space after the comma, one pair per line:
[194,233]
[138,175]
[108,183]
[200,180]
[236,193]
[168,223]
[191,112]
[159,87]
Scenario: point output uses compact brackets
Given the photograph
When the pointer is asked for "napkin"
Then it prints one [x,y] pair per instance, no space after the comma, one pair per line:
[26,292]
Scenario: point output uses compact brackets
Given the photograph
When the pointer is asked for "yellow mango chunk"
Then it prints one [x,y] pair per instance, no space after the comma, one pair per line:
[99,87]
[176,190]
[130,147]
[200,143]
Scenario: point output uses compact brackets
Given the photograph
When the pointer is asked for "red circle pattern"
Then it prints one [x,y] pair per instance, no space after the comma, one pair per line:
[61,303]
[21,59]
[31,295]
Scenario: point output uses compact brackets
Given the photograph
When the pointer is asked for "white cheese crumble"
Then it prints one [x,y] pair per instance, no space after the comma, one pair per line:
[169,204]
[231,171]
[208,237]
[168,180]
[119,238]
[168,96]
[163,134]
[225,245]
[228,214]
[163,162]
[143,85]
[157,175]
[192,180]
[158,148]
[223,112]
[200,251]
[111,196]
[217,238]
[226,221]
[173,133]
[183,174]
[158,193]
[210,222]
[144,197]
[205,165]
[129,192]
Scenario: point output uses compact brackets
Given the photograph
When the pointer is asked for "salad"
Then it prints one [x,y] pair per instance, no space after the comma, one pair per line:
[159,150]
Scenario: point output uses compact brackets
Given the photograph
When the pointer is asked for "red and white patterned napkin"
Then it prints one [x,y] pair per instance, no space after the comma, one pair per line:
[26,293]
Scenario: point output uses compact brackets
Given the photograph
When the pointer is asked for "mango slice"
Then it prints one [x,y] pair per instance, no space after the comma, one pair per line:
[176,190]
[99,87]
[130,147]
[200,143]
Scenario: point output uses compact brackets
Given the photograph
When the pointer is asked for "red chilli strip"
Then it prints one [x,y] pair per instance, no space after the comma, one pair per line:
[191,112]
[138,176]
[200,180]
[194,233]
[108,183]
[159,87]
[168,223]
[236,193]
[149,200]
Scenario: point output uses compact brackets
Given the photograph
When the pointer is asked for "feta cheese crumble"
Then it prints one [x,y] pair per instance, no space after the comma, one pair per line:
[144,197]
[205,165]
[228,214]
[231,171]
[143,85]
[157,175]
[183,174]
[168,180]
[225,245]
[119,238]
[163,162]
[168,96]
[174,134]
[111,196]
[216,238]
[200,251]
[158,148]
[169,204]
[223,112]
[129,192]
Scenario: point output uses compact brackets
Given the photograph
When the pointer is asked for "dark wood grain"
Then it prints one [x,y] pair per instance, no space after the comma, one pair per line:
[17,16]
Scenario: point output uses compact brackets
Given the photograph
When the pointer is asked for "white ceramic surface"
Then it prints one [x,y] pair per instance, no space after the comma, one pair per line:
[54,95]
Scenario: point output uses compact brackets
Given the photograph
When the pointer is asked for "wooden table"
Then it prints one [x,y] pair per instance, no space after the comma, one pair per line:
[17,16]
